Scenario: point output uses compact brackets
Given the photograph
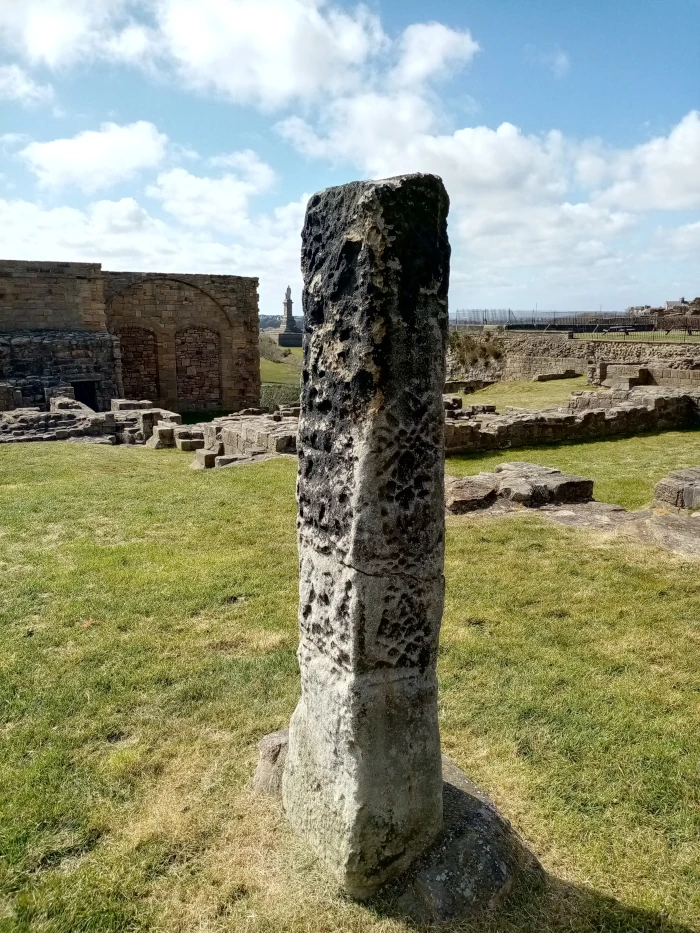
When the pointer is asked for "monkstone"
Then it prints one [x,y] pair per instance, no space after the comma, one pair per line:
[362,782]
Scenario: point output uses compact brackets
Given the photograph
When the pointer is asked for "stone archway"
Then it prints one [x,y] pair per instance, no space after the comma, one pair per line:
[197,359]
[197,352]
[139,363]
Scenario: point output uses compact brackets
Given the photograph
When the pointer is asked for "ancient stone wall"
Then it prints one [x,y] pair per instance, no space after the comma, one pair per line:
[51,296]
[34,362]
[527,355]
[186,342]
[139,363]
[197,358]
[192,340]
[588,417]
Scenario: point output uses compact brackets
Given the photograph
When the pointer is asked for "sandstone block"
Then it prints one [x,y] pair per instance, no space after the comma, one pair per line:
[124,404]
[534,485]
[206,458]
[163,436]
[470,492]
[680,489]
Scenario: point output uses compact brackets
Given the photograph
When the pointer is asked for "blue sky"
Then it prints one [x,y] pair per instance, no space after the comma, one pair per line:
[186,135]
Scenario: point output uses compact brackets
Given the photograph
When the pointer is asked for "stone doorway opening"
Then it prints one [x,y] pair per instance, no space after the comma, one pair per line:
[86,392]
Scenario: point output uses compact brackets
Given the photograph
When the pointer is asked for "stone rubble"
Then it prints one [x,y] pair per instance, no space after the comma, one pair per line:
[127,423]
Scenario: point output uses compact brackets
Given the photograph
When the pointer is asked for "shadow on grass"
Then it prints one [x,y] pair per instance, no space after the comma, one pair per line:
[544,904]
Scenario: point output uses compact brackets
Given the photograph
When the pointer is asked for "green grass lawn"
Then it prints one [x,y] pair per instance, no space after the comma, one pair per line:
[527,394]
[286,373]
[147,639]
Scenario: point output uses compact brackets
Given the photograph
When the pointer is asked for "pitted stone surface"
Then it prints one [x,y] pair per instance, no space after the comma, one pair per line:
[362,779]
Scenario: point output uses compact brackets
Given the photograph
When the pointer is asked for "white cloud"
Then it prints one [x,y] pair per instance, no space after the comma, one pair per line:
[96,159]
[120,217]
[16,84]
[10,141]
[678,243]
[526,208]
[429,50]
[214,203]
[663,174]
[268,52]
[57,33]
[558,63]
[390,134]
[123,235]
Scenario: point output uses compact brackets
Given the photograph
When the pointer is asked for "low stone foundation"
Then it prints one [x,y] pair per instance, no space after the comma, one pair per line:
[253,434]
[589,416]
[69,420]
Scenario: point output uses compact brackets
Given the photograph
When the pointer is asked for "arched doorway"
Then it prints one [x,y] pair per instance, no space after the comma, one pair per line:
[187,361]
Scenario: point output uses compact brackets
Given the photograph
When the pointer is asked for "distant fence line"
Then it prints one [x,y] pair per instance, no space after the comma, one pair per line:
[651,327]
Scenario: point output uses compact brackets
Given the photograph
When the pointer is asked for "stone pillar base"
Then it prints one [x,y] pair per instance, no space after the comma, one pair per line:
[472,866]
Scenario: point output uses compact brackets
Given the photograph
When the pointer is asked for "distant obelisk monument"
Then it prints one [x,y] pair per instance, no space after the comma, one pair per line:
[289,333]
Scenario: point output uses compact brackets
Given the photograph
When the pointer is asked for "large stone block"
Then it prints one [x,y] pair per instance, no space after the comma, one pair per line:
[362,780]
[680,489]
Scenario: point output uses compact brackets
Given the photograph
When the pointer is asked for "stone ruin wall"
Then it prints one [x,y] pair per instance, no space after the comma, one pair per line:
[588,416]
[51,296]
[528,355]
[188,342]
[35,363]
[185,342]
[53,332]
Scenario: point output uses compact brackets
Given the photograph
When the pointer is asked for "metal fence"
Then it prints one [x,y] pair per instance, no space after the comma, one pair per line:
[656,336]
[593,325]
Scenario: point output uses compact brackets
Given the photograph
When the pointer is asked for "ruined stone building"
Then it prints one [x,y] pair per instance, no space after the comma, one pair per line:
[186,342]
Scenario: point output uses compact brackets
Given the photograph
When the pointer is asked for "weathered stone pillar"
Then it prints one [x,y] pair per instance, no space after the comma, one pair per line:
[362,780]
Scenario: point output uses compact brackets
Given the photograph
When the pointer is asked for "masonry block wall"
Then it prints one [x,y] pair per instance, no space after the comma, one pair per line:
[51,296]
[35,362]
[188,342]
[668,364]
[53,332]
